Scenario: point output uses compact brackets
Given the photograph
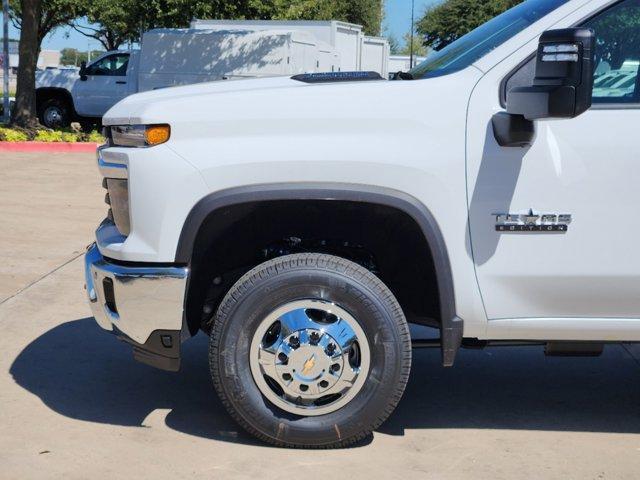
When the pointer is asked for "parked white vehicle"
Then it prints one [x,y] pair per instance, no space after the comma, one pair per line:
[303,222]
[402,63]
[357,51]
[170,57]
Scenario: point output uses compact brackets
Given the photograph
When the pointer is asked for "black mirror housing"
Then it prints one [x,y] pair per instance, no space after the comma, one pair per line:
[83,70]
[563,85]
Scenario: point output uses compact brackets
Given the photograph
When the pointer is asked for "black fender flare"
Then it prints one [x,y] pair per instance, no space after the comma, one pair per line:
[451,327]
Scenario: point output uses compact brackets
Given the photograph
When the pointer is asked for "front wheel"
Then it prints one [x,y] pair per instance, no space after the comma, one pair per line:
[310,350]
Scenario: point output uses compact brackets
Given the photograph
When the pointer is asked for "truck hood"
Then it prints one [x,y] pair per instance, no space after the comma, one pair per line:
[263,110]
[157,106]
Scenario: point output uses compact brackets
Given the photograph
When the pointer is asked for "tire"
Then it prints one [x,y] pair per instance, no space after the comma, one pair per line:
[301,290]
[54,113]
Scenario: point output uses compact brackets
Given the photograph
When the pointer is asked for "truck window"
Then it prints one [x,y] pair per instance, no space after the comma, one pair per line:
[476,44]
[617,53]
[112,65]
[617,56]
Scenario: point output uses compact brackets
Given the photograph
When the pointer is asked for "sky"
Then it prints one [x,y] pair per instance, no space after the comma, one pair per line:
[397,22]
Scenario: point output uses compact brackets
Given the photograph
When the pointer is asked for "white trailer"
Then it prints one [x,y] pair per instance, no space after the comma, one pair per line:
[346,38]
[402,63]
[184,56]
[374,55]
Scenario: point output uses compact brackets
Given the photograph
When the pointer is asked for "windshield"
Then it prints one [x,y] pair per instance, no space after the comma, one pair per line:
[477,43]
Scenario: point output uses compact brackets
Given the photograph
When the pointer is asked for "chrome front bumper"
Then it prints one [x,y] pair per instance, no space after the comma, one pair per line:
[143,305]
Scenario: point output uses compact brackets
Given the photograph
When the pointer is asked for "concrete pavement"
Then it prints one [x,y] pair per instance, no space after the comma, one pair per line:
[74,404]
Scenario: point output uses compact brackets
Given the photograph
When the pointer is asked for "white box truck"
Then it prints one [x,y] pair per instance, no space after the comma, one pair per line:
[170,57]
[374,55]
[356,50]
[402,63]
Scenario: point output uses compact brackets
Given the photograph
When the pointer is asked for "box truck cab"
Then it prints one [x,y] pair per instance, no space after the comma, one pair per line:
[303,223]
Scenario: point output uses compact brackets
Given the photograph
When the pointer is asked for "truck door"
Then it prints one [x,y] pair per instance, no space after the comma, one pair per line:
[580,175]
[104,85]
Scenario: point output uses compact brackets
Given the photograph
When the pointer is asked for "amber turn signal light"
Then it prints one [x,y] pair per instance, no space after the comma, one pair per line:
[157,134]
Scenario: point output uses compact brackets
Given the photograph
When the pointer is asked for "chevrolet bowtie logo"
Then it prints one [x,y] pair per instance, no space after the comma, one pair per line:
[309,364]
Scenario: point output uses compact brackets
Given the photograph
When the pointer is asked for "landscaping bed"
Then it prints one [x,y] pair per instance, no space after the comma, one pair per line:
[12,134]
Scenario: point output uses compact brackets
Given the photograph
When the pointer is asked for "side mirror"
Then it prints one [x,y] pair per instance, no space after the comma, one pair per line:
[563,85]
[83,70]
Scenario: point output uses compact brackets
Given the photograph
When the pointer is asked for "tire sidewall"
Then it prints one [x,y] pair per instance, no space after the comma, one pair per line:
[241,317]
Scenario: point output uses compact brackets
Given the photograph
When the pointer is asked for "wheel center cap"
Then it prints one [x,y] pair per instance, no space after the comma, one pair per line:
[309,362]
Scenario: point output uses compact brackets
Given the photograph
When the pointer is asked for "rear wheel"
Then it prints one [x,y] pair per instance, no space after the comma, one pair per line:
[310,350]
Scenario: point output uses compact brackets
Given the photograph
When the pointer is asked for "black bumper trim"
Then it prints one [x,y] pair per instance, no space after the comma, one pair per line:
[161,350]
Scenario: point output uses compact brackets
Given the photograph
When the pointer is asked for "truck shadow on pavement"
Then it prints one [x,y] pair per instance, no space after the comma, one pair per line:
[80,372]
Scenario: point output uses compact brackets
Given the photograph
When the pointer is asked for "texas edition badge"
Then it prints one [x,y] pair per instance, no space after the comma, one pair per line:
[532,222]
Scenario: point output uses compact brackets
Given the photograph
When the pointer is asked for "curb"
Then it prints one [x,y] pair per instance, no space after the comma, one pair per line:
[53,147]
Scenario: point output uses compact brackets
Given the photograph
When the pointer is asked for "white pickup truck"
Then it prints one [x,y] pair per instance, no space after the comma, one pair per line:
[304,222]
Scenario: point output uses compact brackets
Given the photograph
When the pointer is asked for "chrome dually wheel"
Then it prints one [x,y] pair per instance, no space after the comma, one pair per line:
[309,357]
[309,350]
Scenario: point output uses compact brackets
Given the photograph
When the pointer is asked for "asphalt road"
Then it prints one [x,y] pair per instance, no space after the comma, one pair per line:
[74,404]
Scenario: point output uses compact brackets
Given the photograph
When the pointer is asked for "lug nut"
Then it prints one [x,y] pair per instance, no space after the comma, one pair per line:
[286,377]
[283,357]
[335,367]
[331,348]
[323,384]
[314,338]
[304,388]
[294,342]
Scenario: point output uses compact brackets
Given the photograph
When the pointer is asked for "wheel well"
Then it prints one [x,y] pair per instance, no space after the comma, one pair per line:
[47,93]
[233,239]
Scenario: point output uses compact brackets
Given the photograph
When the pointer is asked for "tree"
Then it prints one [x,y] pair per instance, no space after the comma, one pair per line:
[35,19]
[72,56]
[618,36]
[115,22]
[28,50]
[448,21]
[394,45]
[419,50]
[367,13]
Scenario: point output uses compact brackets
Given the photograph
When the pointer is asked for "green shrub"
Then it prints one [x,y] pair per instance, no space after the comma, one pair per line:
[48,136]
[44,135]
[95,136]
[12,135]
[69,137]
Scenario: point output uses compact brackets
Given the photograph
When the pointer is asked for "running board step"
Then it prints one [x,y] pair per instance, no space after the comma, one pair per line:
[551,349]
[573,349]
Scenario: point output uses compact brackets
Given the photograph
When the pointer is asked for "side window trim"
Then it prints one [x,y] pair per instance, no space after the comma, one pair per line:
[596,106]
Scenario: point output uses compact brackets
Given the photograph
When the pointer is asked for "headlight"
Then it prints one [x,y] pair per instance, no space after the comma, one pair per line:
[139,135]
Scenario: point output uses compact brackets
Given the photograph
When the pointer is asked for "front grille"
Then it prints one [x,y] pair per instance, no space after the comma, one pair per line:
[106,133]
[117,198]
